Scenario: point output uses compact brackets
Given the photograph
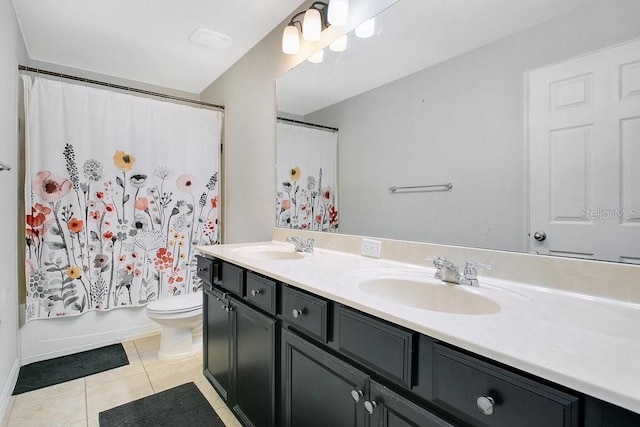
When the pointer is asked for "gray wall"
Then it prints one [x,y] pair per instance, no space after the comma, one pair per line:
[12,52]
[459,121]
[248,92]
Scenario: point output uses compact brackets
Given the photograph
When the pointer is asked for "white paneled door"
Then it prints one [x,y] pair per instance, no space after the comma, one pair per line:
[584,141]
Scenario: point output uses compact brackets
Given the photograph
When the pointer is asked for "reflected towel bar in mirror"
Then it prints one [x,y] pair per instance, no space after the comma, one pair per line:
[4,167]
[445,187]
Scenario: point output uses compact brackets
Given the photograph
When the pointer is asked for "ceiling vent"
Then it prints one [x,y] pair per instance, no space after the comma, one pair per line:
[210,39]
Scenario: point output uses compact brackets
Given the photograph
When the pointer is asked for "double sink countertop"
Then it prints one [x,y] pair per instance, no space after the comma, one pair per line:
[590,344]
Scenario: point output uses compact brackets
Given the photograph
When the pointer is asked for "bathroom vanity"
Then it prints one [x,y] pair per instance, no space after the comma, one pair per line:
[336,339]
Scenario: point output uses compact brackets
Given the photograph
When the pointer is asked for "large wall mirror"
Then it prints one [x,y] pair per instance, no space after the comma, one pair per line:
[502,100]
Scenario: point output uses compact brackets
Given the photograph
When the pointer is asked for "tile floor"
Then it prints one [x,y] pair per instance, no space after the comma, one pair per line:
[77,403]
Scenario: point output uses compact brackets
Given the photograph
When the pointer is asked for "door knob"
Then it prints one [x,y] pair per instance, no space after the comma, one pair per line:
[356,395]
[255,292]
[297,312]
[539,236]
[370,406]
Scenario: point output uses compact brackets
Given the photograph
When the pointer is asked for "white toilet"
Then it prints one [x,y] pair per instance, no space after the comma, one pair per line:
[180,317]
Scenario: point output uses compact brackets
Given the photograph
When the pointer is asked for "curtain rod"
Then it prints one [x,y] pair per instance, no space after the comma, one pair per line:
[312,125]
[115,86]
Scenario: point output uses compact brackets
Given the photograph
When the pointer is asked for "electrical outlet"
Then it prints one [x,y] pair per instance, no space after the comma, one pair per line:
[371,248]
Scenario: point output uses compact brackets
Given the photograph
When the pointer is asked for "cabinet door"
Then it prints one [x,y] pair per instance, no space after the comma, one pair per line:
[388,409]
[217,341]
[318,389]
[255,365]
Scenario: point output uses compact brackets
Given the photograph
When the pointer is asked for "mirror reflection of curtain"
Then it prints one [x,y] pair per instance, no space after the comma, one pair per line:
[306,171]
[118,189]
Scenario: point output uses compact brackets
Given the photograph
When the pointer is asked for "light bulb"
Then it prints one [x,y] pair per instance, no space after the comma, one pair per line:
[339,44]
[338,12]
[290,40]
[366,29]
[311,25]
[317,57]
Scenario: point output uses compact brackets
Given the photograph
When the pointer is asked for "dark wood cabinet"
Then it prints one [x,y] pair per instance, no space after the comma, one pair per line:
[254,338]
[319,390]
[281,356]
[239,351]
[217,345]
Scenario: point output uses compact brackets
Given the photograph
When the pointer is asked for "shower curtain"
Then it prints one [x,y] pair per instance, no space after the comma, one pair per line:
[118,190]
[306,172]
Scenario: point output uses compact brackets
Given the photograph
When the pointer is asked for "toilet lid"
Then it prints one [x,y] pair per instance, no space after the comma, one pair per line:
[185,302]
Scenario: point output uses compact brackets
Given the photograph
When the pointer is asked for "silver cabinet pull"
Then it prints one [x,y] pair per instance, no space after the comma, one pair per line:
[540,236]
[297,312]
[356,395]
[485,404]
[255,292]
[370,406]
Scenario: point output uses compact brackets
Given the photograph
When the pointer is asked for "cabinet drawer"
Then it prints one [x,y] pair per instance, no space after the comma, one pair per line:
[386,348]
[231,278]
[205,269]
[305,312]
[261,292]
[460,380]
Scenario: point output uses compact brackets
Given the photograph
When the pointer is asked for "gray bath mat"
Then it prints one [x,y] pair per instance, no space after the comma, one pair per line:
[179,406]
[66,368]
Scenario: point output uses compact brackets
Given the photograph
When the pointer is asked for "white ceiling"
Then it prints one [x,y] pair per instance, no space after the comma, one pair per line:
[147,40]
[411,35]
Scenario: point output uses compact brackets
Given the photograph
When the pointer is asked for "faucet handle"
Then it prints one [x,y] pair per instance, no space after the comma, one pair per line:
[439,262]
[470,271]
[307,246]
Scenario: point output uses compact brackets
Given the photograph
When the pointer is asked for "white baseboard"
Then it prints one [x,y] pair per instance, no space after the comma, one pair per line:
[5,398]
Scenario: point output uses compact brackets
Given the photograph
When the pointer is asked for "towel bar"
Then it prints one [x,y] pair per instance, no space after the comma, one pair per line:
[447,186]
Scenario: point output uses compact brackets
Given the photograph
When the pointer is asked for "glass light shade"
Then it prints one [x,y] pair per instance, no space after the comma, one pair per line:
[317,57]
[311,25]
[339,44]
[366,29]
[338,12]
[290,40]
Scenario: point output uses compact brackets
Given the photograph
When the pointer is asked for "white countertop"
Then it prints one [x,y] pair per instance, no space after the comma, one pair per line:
[586,343]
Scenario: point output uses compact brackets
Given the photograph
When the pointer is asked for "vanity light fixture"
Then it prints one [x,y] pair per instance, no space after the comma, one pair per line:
[312,22]
[366,29]
[338,12]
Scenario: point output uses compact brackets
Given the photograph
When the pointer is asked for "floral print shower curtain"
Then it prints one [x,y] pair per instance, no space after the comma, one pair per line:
[118,190]
[306,173]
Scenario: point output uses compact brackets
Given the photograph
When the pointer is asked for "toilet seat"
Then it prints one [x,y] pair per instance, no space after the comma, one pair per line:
[177,304]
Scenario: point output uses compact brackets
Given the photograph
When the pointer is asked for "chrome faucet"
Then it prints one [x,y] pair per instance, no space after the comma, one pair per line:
[449,272]
[301,245]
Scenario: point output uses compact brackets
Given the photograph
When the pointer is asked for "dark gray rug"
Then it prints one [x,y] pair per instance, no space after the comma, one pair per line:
[183,405]
[66,368]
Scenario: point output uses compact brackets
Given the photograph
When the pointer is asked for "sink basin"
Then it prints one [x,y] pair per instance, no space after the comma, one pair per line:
[429,295]
[270,252]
